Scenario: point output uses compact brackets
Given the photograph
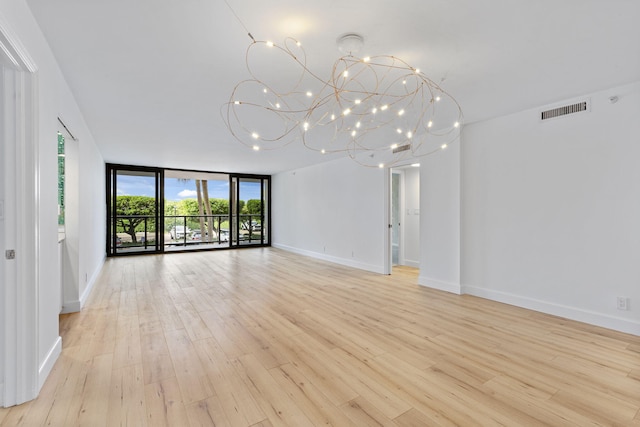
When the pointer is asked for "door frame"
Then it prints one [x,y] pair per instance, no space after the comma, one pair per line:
[20,373]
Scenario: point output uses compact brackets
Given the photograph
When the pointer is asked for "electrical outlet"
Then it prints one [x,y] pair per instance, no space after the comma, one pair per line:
[623,303]
[10,254]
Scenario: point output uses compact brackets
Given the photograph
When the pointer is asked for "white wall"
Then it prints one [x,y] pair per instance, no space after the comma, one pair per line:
[84,248]
[551,210]
[55,99]
[334,211]
[440,220]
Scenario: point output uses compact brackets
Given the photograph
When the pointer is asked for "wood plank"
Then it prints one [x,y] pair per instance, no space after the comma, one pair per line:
[193,385]
[126,397]
[280,409]
[164,404]
[363,413]
[315,405]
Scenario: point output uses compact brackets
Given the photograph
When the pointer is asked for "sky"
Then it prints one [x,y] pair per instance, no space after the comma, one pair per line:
[176,190]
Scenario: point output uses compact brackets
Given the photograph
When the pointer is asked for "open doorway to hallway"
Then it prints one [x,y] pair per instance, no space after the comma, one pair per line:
[405,217]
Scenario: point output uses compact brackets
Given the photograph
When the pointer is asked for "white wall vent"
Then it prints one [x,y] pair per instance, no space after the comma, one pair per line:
[564,110]
[401,148]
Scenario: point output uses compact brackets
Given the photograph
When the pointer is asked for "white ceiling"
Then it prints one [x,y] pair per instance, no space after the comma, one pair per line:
[151,76]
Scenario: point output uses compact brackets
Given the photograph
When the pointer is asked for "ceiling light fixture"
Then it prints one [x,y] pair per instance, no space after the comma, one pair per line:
[326,113]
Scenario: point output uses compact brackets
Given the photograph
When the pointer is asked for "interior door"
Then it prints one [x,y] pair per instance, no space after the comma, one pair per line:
[396,218]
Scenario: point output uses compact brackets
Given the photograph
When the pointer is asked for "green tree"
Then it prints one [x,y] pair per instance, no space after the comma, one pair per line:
[132,211]
[254,206]
[219,206]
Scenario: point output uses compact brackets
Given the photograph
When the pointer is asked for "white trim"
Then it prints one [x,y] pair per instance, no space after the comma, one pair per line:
[440,285]
[76,305]
[92,282]
[20,311]
[591,317]
[412,263]
[49,361]
[73,306]
[336,260]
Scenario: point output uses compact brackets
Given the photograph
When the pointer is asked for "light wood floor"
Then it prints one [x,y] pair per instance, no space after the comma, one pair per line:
[261,337]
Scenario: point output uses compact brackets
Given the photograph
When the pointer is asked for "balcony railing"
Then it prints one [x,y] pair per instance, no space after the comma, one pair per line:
[186,230]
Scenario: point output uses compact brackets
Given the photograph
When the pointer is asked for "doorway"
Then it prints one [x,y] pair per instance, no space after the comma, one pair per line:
[404,238]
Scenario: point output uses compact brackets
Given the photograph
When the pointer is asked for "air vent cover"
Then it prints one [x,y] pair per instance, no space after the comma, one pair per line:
[563,111]
[401,148]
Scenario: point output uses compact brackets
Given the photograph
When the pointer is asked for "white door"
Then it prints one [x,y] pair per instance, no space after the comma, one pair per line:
[18,226]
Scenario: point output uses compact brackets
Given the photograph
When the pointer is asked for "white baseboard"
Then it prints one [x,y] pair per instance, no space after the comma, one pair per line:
[411,263]
[454,288]
[75,306]
[70,307]
[48,362]
[91,282]
[337,260]
[593,318]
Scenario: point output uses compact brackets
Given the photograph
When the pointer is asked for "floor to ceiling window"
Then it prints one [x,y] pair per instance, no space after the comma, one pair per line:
[196,210]
[133,224]
[164,210]
[250,213]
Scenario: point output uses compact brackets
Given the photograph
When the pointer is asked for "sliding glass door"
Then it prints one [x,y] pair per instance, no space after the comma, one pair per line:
[249,197]
[151,210]
[133,208]
[196,210]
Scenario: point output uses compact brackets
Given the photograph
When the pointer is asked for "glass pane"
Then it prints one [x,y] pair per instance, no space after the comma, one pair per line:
[61,180]
[234,211]
[251,211]
[136,209]
[265,210]
[196,210]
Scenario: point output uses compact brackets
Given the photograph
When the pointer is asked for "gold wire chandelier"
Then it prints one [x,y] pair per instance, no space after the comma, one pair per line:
[379,110]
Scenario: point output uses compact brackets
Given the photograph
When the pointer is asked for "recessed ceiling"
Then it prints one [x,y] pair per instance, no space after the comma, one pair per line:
[150,77]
